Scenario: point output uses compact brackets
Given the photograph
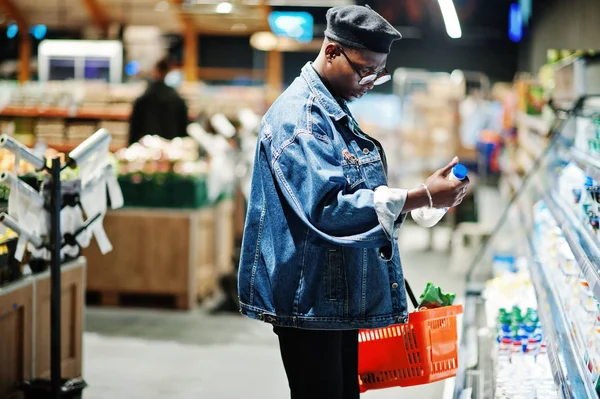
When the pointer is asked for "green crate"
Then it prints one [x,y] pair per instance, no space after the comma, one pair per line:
[164,190]
[188,192]
[130,188]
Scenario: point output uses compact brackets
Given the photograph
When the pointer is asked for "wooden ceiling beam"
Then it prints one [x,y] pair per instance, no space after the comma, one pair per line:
[265,11]
[13,13]
[97,14]
[190,43]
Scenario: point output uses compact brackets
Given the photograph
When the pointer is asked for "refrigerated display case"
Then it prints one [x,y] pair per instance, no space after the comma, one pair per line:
[550,231]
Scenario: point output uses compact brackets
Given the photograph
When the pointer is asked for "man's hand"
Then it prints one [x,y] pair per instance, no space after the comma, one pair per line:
[444,192]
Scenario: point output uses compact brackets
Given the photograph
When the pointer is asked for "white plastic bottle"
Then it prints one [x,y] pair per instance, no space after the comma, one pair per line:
[429,217]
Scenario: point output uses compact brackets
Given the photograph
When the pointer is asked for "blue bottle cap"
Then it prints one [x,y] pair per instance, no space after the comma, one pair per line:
[459,171]
[589,181]
[504,258]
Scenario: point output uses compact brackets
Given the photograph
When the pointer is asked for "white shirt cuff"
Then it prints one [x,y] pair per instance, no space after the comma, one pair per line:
[389,203]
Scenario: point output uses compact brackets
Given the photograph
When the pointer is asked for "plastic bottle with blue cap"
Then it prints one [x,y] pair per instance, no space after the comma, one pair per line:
[429,217]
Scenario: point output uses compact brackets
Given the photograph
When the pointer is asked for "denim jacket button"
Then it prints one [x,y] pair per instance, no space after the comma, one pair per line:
[401,319]
[270,319]
[260,316]
[395,285]
[366,151]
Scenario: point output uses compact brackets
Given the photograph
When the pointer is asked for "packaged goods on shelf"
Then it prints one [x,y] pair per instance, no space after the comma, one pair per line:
[520,362]
[7,127]
[36,107]
[119,131]
[520,357]
[77,132]
[578,299]
[587,130]
[510,287]
[445,88]
[578,197]
[50,129]
[554,226]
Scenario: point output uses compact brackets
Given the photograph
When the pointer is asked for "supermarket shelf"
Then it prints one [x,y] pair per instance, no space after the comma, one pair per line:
[580,239]
[532,143]
[566,358]
[525,161]
[515,181]
[66,148]
[59,112]
[588,163]
[536,123]
[94,115]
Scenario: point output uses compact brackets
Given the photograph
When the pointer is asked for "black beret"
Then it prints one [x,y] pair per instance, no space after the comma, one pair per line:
[360,27]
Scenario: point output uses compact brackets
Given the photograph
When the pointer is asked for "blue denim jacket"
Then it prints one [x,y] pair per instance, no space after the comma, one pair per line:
[319,248]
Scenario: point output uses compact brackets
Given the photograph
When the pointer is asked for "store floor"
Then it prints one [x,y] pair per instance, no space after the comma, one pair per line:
[135,354]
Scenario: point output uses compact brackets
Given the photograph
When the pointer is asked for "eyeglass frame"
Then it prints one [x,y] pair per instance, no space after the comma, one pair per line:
[382,73]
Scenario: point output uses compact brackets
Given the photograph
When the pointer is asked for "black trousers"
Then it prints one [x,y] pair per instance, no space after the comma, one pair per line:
[320,364]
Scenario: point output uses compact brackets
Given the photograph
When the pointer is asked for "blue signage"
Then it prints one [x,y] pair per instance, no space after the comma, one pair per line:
[515,23]
[294,25]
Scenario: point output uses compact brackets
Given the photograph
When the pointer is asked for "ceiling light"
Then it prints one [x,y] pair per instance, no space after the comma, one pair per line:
[224,8]
[162,6]
[457,76]
[12,31]
[39,31]
[264,41]
[450,18]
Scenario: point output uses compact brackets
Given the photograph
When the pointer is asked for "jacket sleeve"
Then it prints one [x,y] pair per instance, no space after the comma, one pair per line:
[311,178]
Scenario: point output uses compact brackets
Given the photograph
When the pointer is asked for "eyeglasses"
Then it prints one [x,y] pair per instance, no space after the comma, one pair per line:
[377,78]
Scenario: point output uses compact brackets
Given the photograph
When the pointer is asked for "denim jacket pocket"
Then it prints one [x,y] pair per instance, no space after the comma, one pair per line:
[335,274]
[353,175]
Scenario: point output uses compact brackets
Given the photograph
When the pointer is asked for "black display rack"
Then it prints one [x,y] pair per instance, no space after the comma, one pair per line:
[54,202]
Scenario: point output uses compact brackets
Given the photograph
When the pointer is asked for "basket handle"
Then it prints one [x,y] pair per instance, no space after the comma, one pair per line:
[411,295]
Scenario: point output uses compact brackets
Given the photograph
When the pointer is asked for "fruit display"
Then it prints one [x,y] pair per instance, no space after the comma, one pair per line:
[163,173]
[153,154]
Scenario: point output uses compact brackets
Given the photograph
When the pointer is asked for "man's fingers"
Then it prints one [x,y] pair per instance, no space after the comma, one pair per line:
[445,171]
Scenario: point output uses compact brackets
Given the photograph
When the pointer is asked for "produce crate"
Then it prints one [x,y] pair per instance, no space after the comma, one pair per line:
[164,190]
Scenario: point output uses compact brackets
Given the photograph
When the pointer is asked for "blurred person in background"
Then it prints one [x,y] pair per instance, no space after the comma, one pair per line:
[319,258]
[160,110]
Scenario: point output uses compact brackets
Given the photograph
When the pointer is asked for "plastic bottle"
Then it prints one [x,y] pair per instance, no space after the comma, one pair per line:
[429,217]
[586,200]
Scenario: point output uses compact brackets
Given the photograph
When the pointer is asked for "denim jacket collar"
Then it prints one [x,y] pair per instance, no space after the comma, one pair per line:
[321,93]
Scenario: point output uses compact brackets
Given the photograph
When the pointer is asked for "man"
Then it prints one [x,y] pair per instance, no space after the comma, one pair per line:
[160,110]
[319,256]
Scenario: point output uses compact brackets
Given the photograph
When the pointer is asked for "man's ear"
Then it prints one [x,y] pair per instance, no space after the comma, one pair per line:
[331,51]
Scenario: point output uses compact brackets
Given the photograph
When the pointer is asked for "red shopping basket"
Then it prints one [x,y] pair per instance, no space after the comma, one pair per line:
[422,351]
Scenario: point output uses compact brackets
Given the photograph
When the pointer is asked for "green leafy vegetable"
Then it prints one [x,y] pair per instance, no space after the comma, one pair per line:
[433,297]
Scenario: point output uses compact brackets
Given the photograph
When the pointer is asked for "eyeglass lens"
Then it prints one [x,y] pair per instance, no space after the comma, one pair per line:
[375,79]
